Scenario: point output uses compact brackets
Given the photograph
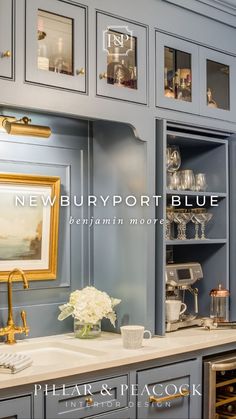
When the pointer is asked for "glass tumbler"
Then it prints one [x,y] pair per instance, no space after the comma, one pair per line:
[174,181]
[187,180]
[200,182]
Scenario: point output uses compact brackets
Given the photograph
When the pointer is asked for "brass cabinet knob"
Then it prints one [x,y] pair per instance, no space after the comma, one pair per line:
[81,71]
[89,401]
[102,76]
[183,393]
[6,54]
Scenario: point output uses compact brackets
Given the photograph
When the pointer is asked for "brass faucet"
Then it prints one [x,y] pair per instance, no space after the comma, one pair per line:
[11,329]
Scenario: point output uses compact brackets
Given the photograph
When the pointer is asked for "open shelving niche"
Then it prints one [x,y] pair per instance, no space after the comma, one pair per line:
[204,152]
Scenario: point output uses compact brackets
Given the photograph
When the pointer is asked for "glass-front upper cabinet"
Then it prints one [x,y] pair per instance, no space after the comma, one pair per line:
[177,80]
[55,44]
[217,71]
[121,59]
[6,38]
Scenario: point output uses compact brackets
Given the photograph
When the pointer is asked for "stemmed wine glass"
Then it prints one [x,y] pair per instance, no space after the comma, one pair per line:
[196,225]
[195,220]
[182,219]
[173,159]
[169,221]
[203,219]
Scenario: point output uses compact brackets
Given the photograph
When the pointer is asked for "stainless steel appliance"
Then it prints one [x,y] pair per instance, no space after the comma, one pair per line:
[220,387]
[179,278]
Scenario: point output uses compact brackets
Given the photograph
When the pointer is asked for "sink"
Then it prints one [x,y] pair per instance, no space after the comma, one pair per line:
[54,353]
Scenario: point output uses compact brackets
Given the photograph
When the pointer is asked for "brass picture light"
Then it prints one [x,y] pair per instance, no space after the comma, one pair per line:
[23,126]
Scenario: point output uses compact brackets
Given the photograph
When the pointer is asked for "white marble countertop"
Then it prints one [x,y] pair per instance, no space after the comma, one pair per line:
[50,362]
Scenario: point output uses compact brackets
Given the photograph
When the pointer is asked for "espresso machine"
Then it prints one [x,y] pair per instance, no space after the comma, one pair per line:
[180,278]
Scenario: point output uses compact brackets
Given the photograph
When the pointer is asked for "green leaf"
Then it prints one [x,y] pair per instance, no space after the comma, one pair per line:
[66,312]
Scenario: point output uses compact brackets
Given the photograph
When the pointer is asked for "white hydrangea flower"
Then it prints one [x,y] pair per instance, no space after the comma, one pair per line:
[90,305]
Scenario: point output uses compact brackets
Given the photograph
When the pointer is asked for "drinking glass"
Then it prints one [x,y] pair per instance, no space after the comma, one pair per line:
[200,182]
[182,219]
[169,221]
[195,221]
[174,180]
[173,159]
[203,219]
[187,180]
[196,225]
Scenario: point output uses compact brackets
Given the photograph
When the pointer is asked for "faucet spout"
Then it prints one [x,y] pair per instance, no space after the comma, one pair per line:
[21,273]
[11,329]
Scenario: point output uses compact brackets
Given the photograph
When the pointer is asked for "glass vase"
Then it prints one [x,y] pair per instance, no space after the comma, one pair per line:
[86,330]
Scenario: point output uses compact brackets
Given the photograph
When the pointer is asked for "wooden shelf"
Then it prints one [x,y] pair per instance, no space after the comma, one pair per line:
[177,242]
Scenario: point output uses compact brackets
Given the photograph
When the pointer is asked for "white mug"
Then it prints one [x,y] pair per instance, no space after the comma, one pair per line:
[174,308]
[133,336]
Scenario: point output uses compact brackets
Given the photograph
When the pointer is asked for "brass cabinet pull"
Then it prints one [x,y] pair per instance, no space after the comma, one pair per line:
[185,393]
[6,54]
[89,401]
[81,72]
[102,76]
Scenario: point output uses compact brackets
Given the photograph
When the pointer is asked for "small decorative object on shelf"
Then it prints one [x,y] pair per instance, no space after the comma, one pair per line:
[88,307]
[210,102]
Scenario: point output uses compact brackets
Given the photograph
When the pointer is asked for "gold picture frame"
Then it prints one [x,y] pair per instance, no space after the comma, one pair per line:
[29,224]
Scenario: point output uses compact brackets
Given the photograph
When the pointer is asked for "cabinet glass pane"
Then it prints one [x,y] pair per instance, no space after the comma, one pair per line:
[178,75]
[55,43]
[217,85]
[122,60]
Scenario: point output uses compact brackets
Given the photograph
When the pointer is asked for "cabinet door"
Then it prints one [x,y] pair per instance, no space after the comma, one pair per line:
[19,408]
[86,400]
[217,82]
[174,389]
[121,59]
[177,74]
[55,44]
[6,38]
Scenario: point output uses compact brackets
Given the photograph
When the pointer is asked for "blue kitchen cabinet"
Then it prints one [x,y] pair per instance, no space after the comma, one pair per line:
[6,38]
[170,392]
[56,44]
[17,408]
[218,71]
[121,59]
[83,404]
[194,79]
[177,74]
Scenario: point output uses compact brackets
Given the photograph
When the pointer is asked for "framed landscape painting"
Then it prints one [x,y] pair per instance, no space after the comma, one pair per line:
[29,220]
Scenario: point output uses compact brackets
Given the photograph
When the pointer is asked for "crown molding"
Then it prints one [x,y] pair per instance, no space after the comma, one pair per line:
[220,10]
[227,6]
